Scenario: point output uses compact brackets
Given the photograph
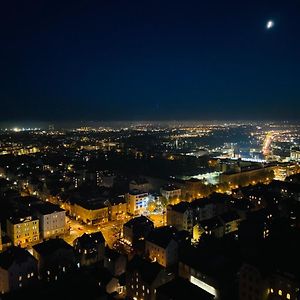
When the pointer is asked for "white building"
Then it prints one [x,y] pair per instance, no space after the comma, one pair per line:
[170,192]
[52,219]
[137,202]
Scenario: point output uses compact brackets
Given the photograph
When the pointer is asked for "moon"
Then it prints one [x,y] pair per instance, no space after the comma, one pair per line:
[270,24]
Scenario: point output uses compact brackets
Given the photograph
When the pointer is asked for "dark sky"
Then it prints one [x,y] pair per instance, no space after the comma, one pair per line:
[135,60]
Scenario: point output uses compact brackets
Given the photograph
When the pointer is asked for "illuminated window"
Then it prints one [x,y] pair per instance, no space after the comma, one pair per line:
[280,292]
[20,278]
[272,291]
[288,296]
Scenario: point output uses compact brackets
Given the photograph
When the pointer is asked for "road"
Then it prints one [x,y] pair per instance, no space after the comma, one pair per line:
[111,230]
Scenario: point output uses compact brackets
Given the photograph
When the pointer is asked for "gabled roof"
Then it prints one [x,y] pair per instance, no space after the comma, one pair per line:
[162,236]
[138,221]
[48,247]
[14,254]
[87,240]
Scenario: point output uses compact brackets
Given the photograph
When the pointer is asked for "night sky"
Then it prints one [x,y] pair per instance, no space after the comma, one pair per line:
[149,60]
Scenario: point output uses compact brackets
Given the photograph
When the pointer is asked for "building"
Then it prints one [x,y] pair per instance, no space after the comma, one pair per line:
[18,268]
[170,192]
[207,268]
[162,246]
[282,285]
[295,155]
[230,221]
[252,283]
[144,277]
[191,188]
[179,289]
[212,227]
[256,227]
[180,216]
[141,184]
[115,262]
[52,219]
[137,230]
[91,211]
[55,257]
[105,178]
[23,230]
[255,282]
[218,226]
[204,209]
[117,208]
[137,202]
[90,248]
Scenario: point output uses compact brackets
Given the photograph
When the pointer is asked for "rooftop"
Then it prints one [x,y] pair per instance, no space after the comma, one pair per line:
[178,289]
[49,247]
[138,221]
[14,254]
[92,238]
[162,236]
